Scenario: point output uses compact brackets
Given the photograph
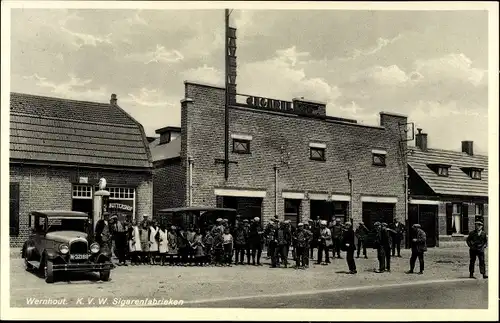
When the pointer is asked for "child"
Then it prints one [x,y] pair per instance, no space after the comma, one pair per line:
[172,245]
[227,239]
[208,242]
[198,246]
[162,237]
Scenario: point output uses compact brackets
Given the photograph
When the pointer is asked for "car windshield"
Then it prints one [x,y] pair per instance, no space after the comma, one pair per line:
[67,225]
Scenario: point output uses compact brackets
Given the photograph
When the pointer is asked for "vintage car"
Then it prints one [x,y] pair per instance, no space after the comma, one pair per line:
[59,242]
[201,217]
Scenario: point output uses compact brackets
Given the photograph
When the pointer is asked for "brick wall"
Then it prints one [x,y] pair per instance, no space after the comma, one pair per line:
[348,148]
[51,188]
[169,185]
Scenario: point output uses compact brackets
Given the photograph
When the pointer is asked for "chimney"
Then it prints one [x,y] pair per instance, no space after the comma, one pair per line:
[113,100]
[421,140]
[467,147]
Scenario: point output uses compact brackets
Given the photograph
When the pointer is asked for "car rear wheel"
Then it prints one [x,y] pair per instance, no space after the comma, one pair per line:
[104,275]
[49,272]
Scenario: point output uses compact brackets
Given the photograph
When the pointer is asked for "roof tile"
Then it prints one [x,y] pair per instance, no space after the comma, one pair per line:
[457,182]
[60,130]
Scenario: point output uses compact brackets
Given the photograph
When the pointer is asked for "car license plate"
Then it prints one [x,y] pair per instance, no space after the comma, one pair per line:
[79,256]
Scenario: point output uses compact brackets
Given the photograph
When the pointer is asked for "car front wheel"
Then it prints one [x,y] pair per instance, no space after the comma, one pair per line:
[27,265]
[49,272]
[104,275]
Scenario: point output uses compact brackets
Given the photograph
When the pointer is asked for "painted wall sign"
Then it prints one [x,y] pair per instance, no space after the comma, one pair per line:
[231,64]
[83,180]
[120,206]
[269,104]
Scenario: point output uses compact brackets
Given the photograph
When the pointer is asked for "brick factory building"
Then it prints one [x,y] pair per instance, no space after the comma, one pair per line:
[448,190]
[286,158]
[59,149]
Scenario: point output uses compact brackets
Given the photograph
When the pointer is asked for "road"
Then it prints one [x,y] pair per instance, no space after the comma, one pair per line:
[321,286]
[452,294]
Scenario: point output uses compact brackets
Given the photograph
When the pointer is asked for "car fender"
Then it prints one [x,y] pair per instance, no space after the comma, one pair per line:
[51,254]
[28,250]
[103,257]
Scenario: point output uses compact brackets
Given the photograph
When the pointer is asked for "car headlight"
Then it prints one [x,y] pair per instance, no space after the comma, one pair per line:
[64,249]
[94,248]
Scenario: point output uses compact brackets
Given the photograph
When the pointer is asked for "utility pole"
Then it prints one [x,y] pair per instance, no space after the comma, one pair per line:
[226,107]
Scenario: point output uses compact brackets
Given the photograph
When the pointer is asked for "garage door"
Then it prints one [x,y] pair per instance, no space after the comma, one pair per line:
[376,212]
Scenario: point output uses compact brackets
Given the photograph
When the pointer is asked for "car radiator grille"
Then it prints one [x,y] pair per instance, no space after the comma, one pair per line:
[78,247]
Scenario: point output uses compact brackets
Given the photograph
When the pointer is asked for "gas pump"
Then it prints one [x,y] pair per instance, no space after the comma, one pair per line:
[101,202]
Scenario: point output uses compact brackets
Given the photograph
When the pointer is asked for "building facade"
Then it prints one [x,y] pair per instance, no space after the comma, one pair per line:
[286,159]
[59,149]
[448,190]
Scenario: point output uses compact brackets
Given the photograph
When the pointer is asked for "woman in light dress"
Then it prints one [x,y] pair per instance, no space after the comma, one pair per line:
[153,243]
[135,243]
[162,237]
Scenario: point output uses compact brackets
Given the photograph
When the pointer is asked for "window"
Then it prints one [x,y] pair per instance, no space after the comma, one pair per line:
[457,218]
[479,212]
[82,192]
[241,146]
[475,174]
[443,171]
[121,193]
[317,153]
[378,159]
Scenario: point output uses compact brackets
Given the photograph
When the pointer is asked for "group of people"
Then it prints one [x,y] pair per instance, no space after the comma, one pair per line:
[223,244]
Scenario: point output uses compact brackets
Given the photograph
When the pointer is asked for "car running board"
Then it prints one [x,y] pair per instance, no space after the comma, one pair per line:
[34,263]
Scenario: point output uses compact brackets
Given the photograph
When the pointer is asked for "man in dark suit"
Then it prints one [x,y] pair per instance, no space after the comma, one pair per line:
[477,242]
[349,246]
[362,234]
[103,234]
[398,229]
[418,245]
[382,244]
[337,231]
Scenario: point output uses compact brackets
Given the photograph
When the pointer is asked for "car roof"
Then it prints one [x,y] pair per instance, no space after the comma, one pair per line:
[61,214]
[197,208]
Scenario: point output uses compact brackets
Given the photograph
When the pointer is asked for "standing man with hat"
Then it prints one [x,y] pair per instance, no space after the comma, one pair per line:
[302,237]
[418,245]
[387,243]
[380,243]
[349,246]
[324,243]
[398,229]
[477,242]
[255,239]
[361,234]
[103,232]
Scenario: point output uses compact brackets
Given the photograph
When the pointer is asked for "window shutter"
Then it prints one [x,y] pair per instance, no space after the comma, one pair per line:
[449,212]
[465,218]
[14,209]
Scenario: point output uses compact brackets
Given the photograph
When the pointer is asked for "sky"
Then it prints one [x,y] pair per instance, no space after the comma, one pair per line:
[429,65]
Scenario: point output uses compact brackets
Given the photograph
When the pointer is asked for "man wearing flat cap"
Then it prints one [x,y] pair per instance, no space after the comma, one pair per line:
[302,237]
[477,242]
[381,242]
[418,244]
[255,240]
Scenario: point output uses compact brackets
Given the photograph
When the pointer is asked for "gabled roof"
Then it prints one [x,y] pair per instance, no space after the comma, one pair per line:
[165,151]
[457,182]
[66,131]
